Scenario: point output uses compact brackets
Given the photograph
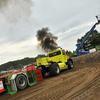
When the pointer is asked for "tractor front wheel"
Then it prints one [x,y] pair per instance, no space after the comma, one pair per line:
[21,82]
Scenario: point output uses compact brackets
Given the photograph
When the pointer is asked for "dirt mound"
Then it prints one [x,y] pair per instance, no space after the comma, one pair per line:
[80,83]
[91,57]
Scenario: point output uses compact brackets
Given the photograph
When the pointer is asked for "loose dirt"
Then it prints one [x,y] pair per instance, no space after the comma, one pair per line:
[80,83]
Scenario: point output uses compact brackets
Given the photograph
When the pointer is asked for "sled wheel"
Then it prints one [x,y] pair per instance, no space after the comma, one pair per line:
[21,82]
[54,69]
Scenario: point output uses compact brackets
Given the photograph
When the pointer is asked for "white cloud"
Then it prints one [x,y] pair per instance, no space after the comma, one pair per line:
[14,51]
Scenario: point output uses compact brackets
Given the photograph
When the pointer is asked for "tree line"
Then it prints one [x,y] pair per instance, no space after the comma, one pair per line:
[19,63]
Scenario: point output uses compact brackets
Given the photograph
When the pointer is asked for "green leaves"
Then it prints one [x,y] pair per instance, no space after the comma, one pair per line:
[91,42]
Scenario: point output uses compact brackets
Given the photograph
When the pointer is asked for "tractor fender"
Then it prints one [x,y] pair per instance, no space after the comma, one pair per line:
[13,77]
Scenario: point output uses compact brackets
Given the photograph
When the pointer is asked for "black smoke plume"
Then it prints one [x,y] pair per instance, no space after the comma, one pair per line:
[46,39]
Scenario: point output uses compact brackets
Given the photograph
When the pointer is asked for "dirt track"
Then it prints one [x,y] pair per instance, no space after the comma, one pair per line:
[80,83]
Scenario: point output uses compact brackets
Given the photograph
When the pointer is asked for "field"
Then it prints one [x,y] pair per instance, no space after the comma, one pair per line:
[80,83]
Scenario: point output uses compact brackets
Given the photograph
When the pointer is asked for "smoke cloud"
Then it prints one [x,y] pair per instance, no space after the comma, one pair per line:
[46,39]
[15,10]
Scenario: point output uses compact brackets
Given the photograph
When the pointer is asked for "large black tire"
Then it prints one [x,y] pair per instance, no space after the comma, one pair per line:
[21,82]
[54,69]
[43,71]
[70,64]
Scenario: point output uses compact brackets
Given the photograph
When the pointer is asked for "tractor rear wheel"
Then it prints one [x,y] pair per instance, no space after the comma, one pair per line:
[21,82]
[43,71]
[54,69]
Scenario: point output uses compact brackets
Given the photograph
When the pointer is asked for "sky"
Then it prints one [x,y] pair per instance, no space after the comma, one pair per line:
[21,19]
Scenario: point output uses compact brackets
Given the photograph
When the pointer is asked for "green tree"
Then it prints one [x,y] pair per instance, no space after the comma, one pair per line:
[10,68]
[91,42]
[71,53]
